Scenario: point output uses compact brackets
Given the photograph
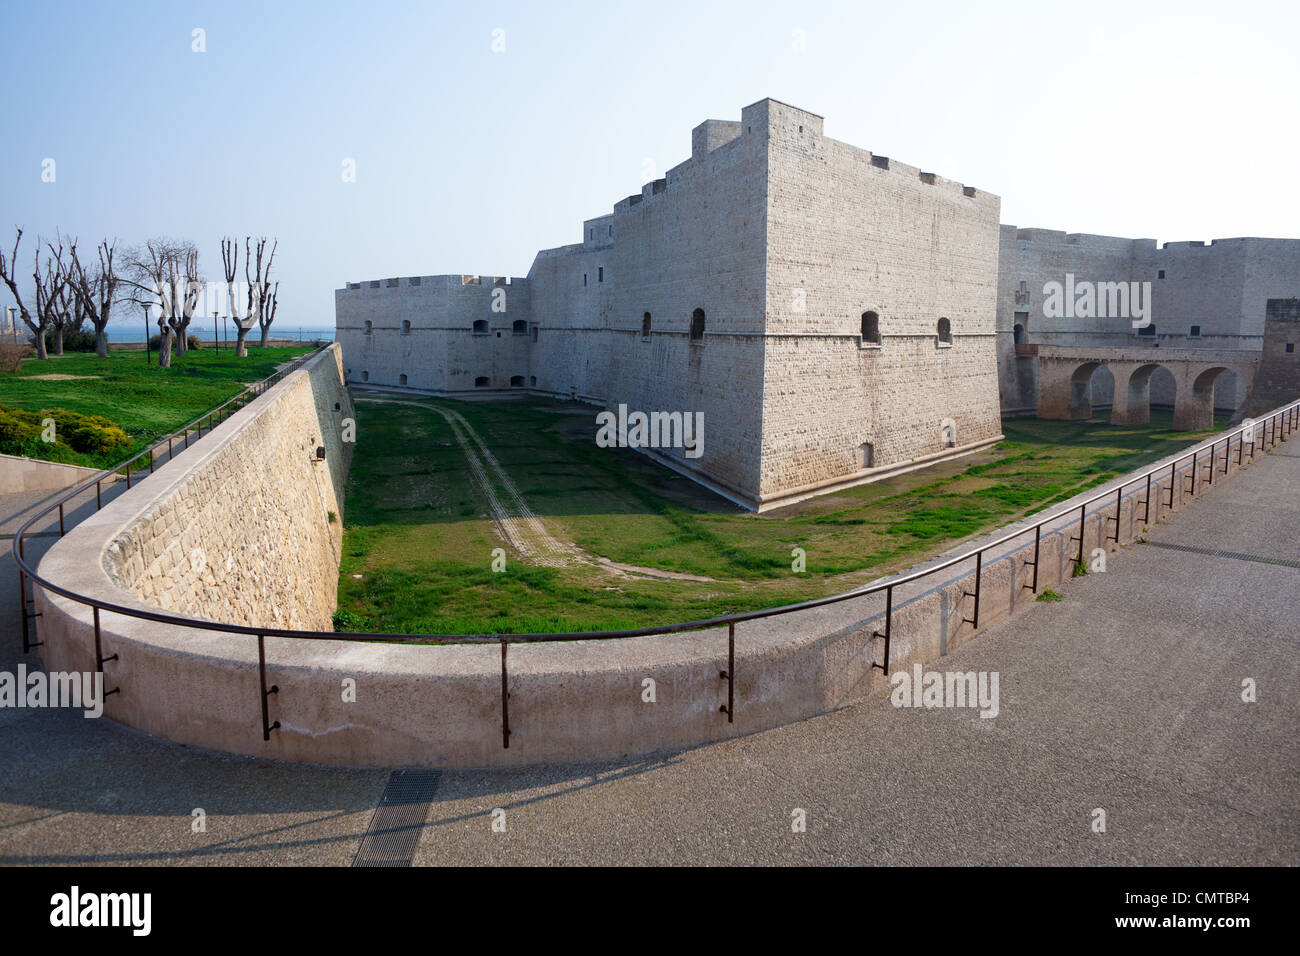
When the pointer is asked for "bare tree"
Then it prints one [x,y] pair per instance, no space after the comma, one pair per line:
[259,287]
[51,296]
[230,262]
[96,292]
[67,314]
[38,326]
[148,270]
[186,287]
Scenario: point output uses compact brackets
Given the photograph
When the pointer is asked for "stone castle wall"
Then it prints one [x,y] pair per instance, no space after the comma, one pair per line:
[851,232]
[790,398]
[237,528]
[1203,296]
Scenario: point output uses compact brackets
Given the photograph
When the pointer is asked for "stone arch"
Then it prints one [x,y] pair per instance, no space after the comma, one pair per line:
[1080,402]
[1133,397]
[1194,406]
[1018,334]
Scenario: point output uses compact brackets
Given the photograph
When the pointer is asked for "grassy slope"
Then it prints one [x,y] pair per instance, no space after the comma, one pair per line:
[145,401]
[417,531]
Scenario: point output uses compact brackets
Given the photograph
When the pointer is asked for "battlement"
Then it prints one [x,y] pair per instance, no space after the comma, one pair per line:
[445,280]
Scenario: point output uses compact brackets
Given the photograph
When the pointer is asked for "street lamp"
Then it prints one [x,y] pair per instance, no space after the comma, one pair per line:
[215,340]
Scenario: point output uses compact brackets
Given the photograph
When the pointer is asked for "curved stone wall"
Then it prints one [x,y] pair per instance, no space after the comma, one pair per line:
[372,704]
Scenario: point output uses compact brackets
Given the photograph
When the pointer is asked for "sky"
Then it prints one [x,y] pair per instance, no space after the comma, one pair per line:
[480,133]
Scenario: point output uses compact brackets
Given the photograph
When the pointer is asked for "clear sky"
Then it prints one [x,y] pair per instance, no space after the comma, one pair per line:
[1171,121]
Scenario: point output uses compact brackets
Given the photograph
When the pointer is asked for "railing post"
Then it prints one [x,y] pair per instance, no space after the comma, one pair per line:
[1119,510]
[889,624]
[974,621]
[100,659]
[505,698]
[267,727]
[1146,514]
[61,531]
[729,675]
[1083,514]
[98,503]
[1038,533]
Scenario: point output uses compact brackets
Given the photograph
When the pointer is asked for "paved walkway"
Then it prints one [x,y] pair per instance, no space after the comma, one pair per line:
[1124,697]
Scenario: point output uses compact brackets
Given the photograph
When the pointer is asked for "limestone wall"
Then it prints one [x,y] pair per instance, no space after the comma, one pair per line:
[850,232]
[441,706]
[237,528]
[1203,296]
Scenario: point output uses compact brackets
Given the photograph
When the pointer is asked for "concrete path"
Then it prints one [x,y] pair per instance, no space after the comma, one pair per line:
[1125,697]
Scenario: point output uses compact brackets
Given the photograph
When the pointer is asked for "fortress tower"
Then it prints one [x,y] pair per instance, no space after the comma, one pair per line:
[829,311]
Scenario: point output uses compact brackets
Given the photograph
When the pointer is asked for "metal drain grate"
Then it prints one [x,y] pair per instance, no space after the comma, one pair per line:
[395,828]
[1214,553]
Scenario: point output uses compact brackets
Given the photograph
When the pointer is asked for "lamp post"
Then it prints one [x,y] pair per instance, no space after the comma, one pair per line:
[215,340]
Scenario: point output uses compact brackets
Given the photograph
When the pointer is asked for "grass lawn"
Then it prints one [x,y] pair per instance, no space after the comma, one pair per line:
[418,542]
[143,400]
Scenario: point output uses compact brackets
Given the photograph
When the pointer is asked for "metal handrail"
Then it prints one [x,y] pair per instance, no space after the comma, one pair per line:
[1287,417]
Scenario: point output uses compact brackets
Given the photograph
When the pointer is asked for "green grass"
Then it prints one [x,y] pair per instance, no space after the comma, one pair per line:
[418,545]
[143,400]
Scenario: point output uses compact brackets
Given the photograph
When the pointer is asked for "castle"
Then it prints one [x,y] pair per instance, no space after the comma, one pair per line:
[831,315]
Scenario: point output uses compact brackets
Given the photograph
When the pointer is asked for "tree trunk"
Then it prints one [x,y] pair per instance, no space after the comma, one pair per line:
[42,351]
[101,343]
[180,339]
[165,349]
[58,340]
[266,331]
[241,342]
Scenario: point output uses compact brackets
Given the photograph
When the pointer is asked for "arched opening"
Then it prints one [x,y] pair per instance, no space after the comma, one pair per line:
[1082,392]
[1195,412]
[645,326]
[1137,404]
[406,326]
[365,376]
[532,380]
[866,455]
[871,328]
[401,379]
[516,381]
[697,325]
[519,327]
[370,326]
[480,327]
[481,382]
[948,433]
[1163,389]
[1018,334]
[944,330]
[1229,393]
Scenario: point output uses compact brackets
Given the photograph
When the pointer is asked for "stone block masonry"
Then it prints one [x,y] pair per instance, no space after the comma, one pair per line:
[738,286]
[441,706]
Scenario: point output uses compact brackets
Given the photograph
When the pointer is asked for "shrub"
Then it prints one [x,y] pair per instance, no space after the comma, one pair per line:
[12,355]
[16,427]
[74,340]
[191,342]
[88,434]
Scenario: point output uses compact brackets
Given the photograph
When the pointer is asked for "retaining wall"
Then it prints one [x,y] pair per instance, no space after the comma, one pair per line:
[441,706]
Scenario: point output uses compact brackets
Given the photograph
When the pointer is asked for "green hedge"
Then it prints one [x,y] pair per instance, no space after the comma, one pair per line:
[88,434]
